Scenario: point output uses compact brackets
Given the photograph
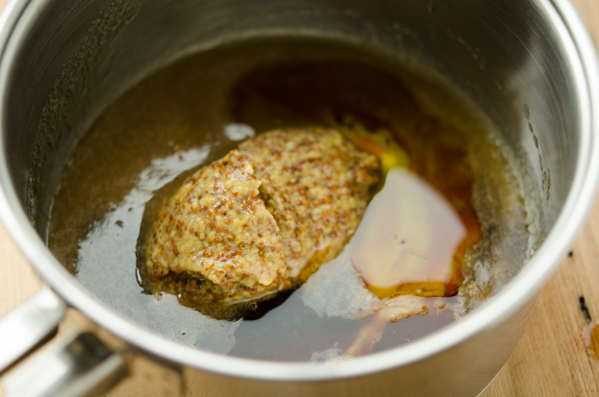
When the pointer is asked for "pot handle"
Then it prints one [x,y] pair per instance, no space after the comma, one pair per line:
[82,367]
[29,326]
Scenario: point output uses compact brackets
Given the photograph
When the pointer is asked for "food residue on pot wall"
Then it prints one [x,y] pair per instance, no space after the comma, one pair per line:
[147,142]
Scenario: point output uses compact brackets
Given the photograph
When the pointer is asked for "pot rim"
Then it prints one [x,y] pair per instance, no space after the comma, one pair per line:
[14,22]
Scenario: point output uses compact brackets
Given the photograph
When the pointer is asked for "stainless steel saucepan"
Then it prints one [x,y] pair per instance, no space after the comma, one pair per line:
[524,62]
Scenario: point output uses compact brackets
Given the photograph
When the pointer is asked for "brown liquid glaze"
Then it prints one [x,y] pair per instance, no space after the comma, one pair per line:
[157,133]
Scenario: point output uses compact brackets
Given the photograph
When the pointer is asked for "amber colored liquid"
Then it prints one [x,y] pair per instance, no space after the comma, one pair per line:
[172,122]
[406,240]
[352,95]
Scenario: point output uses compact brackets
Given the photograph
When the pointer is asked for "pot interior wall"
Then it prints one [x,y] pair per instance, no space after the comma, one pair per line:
[74,57]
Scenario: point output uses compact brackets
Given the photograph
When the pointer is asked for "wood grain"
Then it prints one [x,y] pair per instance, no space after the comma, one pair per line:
[551,358]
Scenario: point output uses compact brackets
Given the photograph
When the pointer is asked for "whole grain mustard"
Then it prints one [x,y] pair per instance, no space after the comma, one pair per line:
[243,226]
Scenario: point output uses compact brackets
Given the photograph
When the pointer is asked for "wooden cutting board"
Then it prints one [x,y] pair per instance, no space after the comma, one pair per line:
[550,360]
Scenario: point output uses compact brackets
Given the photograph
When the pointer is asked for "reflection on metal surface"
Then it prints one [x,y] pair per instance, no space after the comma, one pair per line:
[84,366]
[28,326]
